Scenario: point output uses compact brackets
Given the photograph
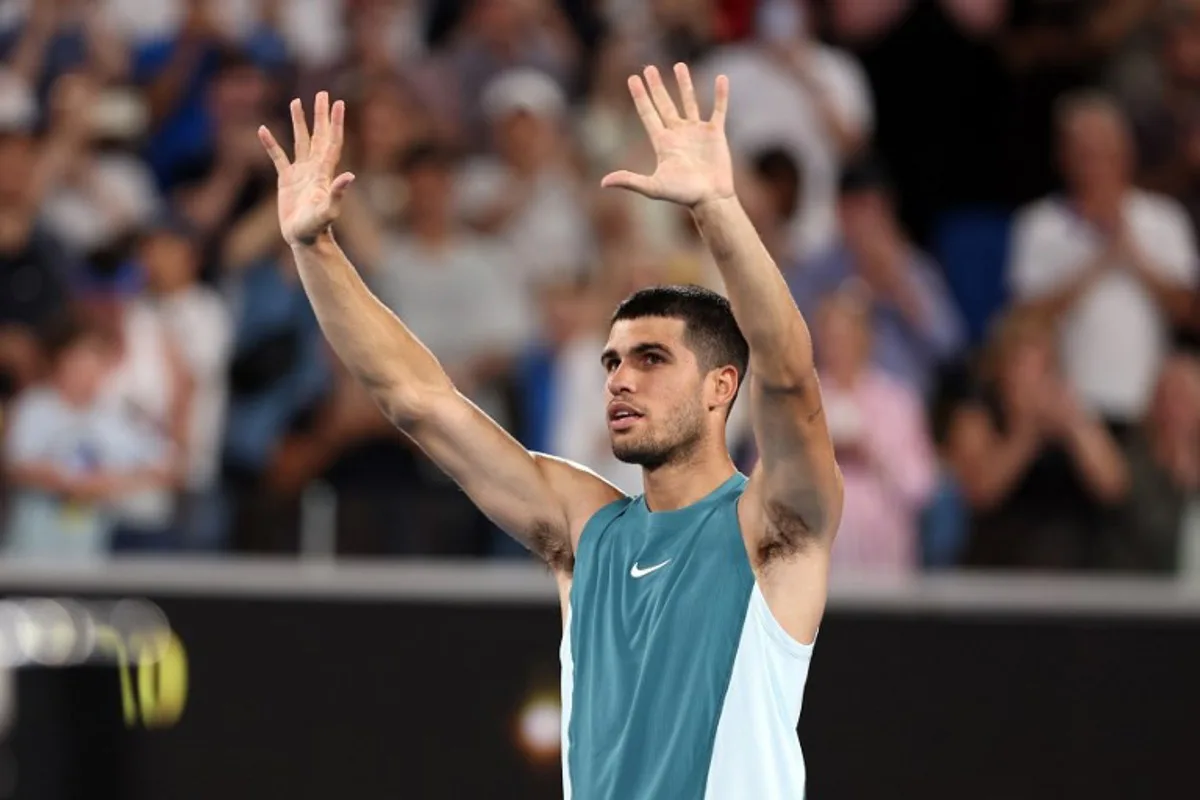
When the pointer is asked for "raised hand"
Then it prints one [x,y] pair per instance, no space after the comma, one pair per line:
[310,197]
[694,165]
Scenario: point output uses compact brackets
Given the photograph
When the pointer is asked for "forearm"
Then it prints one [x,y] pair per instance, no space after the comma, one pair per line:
[1178,302]
[167,88]
[1058,302]
[1099,460]
[374,344]
[989,480]
[779,339]
[40,477]
[207,206]
[254,237]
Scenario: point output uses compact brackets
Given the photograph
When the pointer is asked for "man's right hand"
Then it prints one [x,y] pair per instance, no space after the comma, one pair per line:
[310,197]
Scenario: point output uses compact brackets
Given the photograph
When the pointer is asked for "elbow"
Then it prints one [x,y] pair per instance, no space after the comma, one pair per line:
[410,406]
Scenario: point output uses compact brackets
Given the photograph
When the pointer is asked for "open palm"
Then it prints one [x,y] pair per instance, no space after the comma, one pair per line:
[309,196]
[694,165]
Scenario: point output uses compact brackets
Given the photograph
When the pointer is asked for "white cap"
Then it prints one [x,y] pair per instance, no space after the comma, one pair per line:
[528,90]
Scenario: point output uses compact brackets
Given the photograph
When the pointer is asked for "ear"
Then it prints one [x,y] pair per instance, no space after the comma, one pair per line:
[724,386]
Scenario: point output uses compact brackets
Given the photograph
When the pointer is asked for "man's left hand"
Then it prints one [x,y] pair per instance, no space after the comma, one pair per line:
[694,165]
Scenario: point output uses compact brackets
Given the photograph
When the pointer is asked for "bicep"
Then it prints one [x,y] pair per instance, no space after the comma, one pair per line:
[540,501]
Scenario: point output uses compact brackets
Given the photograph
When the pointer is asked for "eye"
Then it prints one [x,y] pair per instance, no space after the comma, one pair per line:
[653,358]
[610,365]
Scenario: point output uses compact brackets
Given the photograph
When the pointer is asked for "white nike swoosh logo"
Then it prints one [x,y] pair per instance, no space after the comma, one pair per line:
[641,573]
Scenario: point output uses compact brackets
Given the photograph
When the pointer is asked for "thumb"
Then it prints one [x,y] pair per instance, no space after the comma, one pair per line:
[338,188]
[623,179]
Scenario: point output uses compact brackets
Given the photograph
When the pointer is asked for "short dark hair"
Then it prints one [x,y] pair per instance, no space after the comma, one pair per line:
[866,173]
[68,330]
[430,154]
[710,328]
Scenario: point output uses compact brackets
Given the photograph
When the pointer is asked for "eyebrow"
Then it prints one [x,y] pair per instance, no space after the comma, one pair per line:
[637,350]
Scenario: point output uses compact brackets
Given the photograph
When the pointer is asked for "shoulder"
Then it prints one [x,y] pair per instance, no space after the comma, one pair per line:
[1151,207]
[1048,211]
[837,63]
[33,406]
[582,490]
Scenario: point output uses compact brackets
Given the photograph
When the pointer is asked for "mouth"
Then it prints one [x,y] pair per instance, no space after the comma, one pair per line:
[622,417]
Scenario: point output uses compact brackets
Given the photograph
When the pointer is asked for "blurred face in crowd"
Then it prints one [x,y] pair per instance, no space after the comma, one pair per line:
[239,94]
[523,139]
[864,213]
[843,334]
[1181,47]
[170,261]
[387,126]
[497,22]
[17,161]
[1094,150]
[662,402]
[80,369]
[431,195]
[1025,357]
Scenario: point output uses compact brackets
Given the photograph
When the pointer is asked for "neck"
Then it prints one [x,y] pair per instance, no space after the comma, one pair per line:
[689,480]
[433,233]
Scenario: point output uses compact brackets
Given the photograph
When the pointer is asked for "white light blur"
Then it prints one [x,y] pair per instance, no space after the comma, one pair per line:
[539,727]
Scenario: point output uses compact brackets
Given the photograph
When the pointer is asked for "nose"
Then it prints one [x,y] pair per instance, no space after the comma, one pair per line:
[620,381]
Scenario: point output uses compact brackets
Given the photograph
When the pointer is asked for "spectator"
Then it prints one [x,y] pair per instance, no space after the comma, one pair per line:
[455,291]
[878,429]
[1112,266]
[97,191]
[69,456]
[389,123]
[59,36]
[148,385]
[792,89]
[34,266]
[1165,470]
[214,188]
[494,37]
[915,326]
[279,369]
[1166,115]
[1041,472]
[196,319]
[526,194]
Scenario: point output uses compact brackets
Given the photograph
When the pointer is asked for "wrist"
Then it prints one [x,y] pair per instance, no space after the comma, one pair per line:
[320,241]
[716,204]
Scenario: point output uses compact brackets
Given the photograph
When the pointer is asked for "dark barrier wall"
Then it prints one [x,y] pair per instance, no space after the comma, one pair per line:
[304,699]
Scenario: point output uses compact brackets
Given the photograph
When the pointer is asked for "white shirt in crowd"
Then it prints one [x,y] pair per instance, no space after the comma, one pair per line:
[770,107]
[549,236]
[461,301]
[141,390]
[1113,341]
[121,196]
[201,328]
[43,429]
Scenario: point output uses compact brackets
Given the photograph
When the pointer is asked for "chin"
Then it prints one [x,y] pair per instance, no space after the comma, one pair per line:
[643,456]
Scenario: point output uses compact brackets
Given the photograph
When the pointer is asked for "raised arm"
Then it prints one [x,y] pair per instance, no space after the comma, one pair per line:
[541,501]
[793,503]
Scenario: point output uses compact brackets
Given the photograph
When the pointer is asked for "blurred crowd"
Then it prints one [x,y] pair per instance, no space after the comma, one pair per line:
[986,210]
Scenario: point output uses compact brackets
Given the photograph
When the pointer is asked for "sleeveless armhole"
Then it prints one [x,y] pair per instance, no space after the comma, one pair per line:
[599,521]
[787,643]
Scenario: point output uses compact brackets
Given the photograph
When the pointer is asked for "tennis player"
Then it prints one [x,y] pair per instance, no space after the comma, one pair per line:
[690,611]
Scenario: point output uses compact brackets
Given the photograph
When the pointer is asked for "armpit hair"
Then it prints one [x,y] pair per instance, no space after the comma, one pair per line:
[788,534]
[550,542]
